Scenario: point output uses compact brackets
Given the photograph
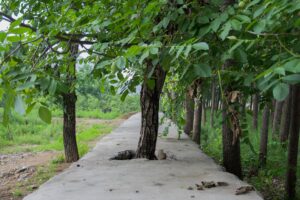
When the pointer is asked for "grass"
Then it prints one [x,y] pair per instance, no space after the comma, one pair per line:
[268,180]
[96,114]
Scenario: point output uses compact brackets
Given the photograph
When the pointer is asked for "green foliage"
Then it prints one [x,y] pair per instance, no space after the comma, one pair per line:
[268,180]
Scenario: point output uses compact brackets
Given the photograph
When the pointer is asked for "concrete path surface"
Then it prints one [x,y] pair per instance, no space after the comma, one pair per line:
[94,177]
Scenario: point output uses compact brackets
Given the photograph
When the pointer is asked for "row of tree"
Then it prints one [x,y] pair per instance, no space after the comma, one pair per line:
[245,47]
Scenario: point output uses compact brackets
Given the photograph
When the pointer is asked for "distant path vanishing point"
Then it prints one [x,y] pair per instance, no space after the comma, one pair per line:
[94,177]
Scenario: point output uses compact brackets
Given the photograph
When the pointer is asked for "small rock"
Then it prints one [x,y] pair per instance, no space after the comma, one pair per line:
[161,155]
[220,183]
[137,191]
[190,188]
[78,165]
[199,187]
[110,190]
[192,196]
[34,187]
[208,184]
[244,190]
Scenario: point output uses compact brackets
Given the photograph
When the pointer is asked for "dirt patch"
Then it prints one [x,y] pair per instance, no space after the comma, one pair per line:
[19,169]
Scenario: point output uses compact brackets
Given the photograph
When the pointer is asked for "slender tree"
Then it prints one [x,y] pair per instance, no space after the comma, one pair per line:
[189,114]
[277,118]
[255,110]
[286,118]
[213,98]
[69,109]
[264,136]
[291,177]
[197,116]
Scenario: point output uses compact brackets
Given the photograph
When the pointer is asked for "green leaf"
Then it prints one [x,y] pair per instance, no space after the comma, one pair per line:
[187,50]
[120,62]
[144,56]
[13,38]
[280,91]
[260,26]
[201,46]
[133,51]
[20,30]
[45,114]
[2,36]
[124,95]
[25,86]
[292,66]
[19,105]
[52,87]
[154,50]
[202,70]
[225,32]
[292,79]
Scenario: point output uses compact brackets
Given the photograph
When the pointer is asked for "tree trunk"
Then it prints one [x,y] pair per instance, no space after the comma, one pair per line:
[213,98]
[203,118]
[149,101]
[197,117]
[291,177]
[286,118]
[69,110]
[264,136]
[231,152]
[231,141]
[277,118]
[69,127]
[189,115]
[255,111]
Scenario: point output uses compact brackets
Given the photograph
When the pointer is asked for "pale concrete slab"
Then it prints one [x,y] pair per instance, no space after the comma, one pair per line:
[98,178]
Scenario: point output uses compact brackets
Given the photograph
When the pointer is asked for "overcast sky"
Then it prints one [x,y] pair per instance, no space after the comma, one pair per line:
[3,25]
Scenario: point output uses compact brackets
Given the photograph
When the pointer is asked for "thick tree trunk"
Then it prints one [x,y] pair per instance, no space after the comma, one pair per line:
[213,98]
[69,110]
[69,127]
[291,177]
[231,151]
[277,118]
[197,117]
[286,119]
[189,114]
[255,111]
[231,140]
[264,137]
[149,101]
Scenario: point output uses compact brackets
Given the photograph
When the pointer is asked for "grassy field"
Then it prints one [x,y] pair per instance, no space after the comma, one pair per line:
[268,180]
[31,134]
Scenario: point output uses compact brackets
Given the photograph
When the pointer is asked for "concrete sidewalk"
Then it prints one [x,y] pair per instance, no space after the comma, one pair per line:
[94,177]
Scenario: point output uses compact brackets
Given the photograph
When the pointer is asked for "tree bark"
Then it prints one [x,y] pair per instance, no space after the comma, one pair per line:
[197,118]
[264,137]
[285,119]
[255,111]
[277,118]
[69,127]
[291,177]
[149,100]
[69,110]
[203,118]
[213,98]
[231,141]
[189,114]
[231,152]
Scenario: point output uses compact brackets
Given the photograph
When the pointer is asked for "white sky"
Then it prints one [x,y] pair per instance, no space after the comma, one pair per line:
[4,25]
